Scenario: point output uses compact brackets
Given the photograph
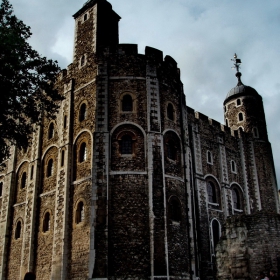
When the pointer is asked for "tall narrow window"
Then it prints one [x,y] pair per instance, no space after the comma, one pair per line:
[18,230]
[83,152]
[236,198]
[65,121]
[240,117]
[175,209]
[215,233]
[31,173]
[51,131]
[1,188]
[62,158]
[85,17]
[211,192]
[209,157]
[23,180]
[50,168]
[238,102]
[170,112]
[46,222]
[171,150]
[83,112]
[126,145]
[127,103]
[80,212]
[233,166]
[83,60]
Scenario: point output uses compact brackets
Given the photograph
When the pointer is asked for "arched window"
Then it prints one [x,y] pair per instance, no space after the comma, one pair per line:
[51,131]
[175,209]
[240,117]
[209,157]
[83,58]
[238,102]
[127,103]
[126,145]
[211,190]
[233,166]
[171,150]
[80,213]
[236,199]
[50,168]
[1,188]
[62,158]
[83,152]
[170,112]
[47,222]
[23,180]
[18,230]
[216,233]
[83,112]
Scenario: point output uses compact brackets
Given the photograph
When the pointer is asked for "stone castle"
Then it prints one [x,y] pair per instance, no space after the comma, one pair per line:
[128,182]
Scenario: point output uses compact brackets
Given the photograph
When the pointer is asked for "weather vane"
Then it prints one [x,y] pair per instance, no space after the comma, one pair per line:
[237,62]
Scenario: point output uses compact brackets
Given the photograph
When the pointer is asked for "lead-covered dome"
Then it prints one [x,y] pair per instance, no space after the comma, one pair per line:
[240,90]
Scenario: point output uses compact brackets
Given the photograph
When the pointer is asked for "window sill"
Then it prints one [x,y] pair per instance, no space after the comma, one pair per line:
[238,210]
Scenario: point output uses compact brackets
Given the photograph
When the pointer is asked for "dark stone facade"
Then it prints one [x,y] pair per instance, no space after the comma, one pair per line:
[127,182]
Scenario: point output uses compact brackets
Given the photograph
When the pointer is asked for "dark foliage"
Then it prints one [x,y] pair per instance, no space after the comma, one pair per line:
[26,83]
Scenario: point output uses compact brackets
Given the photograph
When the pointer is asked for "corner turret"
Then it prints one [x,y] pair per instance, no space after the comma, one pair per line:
[243,108]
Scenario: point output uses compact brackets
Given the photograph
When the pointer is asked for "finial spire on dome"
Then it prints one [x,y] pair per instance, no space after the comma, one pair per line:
[237,62]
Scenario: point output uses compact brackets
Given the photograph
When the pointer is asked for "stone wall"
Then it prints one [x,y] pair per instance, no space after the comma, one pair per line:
[249,245]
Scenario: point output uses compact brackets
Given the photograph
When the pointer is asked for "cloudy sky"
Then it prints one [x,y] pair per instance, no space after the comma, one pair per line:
[202,36]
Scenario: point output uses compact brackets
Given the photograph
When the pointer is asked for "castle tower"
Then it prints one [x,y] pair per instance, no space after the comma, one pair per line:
[96,26]
[243,109]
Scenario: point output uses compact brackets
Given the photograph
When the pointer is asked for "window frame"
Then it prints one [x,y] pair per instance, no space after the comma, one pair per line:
[215,201]
[233,167]
[209,157]
[133,143]
[83,112]
[240,119]
[51,131]
[18,230]
[46,222]
[169,107]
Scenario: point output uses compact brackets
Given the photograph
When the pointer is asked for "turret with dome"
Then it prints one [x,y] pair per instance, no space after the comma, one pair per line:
[243,108]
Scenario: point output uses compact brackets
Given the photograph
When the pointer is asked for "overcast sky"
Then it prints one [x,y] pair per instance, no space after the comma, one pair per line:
[202,36]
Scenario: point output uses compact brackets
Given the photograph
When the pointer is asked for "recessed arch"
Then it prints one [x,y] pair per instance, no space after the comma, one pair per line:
[240,117]
[83,112]
[18,229]
[213,192]
[170,111]
[237,197]
[175,208]
[46,221]
[172,146]
[80,212]
[51,131]
[215,233]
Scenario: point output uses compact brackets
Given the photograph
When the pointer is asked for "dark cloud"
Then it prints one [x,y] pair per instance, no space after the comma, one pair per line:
[201,36]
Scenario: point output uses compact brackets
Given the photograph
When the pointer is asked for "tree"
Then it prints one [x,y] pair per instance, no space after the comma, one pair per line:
[26,82]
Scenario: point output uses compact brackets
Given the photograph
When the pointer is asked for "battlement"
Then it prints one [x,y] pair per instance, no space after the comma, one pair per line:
[208,121]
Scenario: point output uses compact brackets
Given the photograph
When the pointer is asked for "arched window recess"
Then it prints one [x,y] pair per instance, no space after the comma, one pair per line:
[126,141]
[213,193]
